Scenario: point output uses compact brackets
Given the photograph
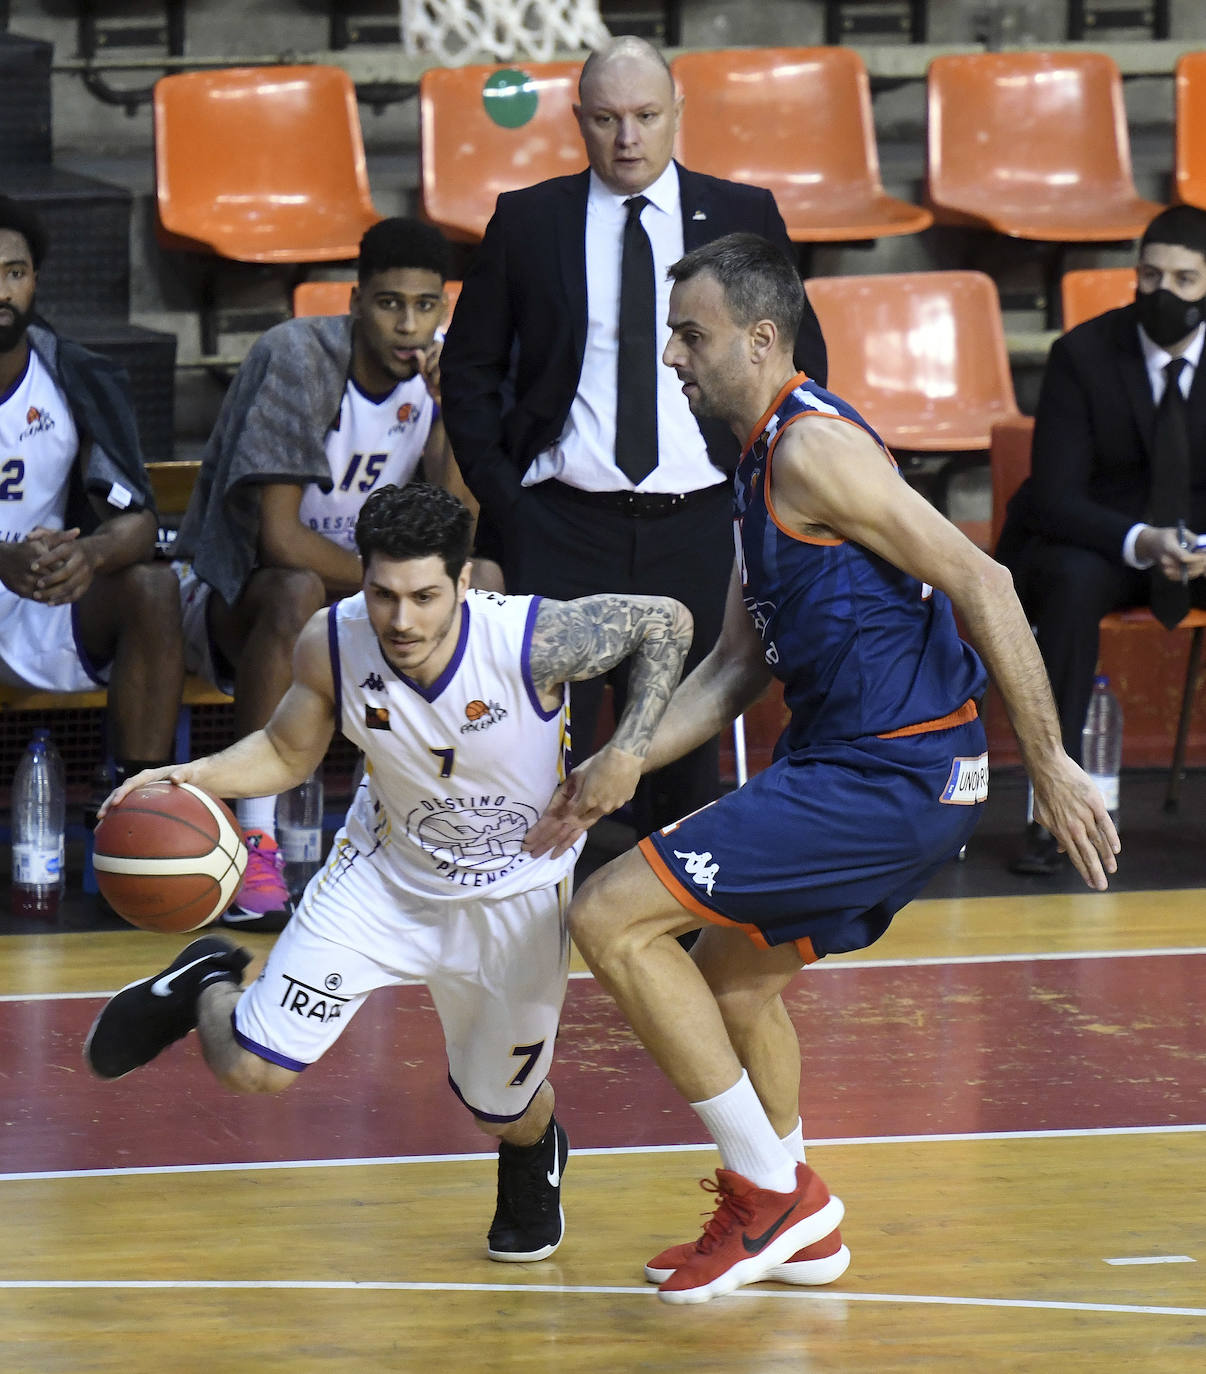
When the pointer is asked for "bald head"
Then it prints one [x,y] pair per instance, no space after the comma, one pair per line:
[628,114]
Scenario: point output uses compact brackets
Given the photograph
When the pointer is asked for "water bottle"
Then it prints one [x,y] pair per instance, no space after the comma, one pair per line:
[1101,743]
[299,832]
[39,805]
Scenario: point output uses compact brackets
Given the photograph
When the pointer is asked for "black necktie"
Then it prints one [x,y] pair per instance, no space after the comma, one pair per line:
[1170,488]
[636,364]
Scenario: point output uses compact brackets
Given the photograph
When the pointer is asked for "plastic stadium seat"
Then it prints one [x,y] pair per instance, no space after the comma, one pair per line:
[1094,290]
[261,164]
[334,297]
[1191,129]
[921,355]
[485,130]
[796,120]
[1009,464]
[1033,145]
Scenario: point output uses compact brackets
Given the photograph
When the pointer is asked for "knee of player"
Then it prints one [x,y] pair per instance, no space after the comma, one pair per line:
[247,1074]
[285,598]
[150,597]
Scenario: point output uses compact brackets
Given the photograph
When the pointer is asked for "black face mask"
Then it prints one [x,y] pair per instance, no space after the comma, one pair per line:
[1166,319]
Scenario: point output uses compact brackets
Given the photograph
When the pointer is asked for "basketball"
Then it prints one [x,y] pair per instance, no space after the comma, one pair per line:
[169,857]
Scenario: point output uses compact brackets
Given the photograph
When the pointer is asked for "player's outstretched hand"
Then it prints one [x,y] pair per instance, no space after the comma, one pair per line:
[172,772]
[600,785]
[1069,804]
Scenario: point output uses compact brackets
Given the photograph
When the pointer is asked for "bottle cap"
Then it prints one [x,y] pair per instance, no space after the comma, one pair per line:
[1100,680]
[41,735]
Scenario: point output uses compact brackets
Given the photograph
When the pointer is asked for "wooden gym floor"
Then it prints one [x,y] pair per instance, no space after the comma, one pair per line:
[1008,1092]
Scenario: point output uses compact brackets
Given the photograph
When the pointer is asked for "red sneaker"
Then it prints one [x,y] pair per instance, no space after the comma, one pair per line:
[751,1232]
[823,1262]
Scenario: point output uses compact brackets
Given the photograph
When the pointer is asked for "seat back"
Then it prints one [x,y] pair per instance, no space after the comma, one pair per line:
[795,120]
[1020,129]
[335,297]
[921,355]
[1008,464]
[1093,290]
[1191,129]
[486,129]
[261,164]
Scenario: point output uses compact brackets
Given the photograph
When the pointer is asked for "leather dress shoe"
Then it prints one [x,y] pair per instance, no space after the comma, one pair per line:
[1040,856]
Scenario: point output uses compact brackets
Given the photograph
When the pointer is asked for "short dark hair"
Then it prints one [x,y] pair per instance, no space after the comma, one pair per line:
[758,280]
[415,521]
[21,218]
[1183,226]
[400,242]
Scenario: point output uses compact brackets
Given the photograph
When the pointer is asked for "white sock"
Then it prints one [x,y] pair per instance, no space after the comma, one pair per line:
[257,813]
[793,1142]
[737,1122]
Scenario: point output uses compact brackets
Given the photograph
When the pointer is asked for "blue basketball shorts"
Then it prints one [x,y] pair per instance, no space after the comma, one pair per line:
[826,845]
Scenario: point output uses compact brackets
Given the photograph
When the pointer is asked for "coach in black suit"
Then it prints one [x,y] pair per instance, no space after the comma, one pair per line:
[1117,492]
[541,423]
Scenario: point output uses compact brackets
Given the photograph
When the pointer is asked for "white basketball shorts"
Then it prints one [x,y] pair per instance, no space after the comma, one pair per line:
[39,648]
[496,971]
[200,656]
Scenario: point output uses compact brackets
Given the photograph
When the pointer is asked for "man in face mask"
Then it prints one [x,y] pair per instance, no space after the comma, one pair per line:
[1116,501]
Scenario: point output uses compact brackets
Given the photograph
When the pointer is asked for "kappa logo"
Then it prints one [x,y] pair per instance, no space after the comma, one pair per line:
[374,683]
[311,1004]
[700,868]
[481,716]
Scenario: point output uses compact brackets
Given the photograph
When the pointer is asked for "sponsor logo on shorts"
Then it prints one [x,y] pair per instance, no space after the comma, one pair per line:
[700,868]
[968,782]
[481,716]
[310,1003]
[376,717]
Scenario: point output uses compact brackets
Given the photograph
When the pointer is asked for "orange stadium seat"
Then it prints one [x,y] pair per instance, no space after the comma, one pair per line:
[1094,290]
[485,130]
[261,164]
[334,297]
[1033,145]
[921,355]
[1009,464]
[1191,129]
[796,120]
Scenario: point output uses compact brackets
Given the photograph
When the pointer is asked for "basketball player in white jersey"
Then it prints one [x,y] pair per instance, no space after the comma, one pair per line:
[82,605]
[458,699]
[322,412]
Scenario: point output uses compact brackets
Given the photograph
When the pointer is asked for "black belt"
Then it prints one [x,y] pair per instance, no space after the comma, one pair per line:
[642,505]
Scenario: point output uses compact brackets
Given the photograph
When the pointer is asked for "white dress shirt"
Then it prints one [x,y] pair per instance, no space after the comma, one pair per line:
[584,455]
[1157,359]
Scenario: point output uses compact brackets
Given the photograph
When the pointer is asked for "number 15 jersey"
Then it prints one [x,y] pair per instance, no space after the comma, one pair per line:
[457,773]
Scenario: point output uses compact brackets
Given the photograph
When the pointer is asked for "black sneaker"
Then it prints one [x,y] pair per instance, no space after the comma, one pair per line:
[528,1221]
[144,1018]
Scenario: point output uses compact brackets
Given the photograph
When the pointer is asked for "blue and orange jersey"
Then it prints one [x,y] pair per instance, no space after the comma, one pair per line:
[861,648]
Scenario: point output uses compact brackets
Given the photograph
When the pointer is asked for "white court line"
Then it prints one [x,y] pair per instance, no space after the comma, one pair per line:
[586,1290]
[374,1161]
[824,965]
[1154,1259]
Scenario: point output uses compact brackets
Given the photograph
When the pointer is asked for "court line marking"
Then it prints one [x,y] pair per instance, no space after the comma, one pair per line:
[368,1161]
[823,966]
[1154,1259]
[574,1290]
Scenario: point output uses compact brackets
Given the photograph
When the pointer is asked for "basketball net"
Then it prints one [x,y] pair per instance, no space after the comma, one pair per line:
[458,31]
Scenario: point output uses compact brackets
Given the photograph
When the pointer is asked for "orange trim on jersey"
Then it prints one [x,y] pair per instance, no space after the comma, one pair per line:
[965,714]
[768,413]
[669,880]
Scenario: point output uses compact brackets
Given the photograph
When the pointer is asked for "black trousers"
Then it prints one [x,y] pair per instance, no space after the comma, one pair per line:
[1065,590]
[557,546]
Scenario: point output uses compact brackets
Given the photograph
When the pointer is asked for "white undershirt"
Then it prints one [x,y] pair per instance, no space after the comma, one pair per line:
[584,455]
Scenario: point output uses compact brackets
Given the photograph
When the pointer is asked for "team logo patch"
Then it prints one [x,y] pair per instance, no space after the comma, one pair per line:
[408,414]
[480,715]
[376,717]
[473,840]
[36,422]
[968,782]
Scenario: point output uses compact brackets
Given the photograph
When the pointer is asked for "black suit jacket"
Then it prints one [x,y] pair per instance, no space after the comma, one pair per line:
[1093,430]
[513,356]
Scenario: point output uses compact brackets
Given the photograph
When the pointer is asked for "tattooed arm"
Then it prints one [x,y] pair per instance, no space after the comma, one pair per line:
[575,640]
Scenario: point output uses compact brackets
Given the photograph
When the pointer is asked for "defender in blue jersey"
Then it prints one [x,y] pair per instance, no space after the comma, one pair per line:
[843,589]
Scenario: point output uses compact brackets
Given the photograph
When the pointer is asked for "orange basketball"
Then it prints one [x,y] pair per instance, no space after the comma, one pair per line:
[169,857]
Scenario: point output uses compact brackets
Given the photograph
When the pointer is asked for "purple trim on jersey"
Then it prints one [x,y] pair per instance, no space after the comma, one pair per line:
[432,692]
[376,398]
[94,670]
[486,1116]
[262,1052]
[333,649]
[19,378]
[525,665]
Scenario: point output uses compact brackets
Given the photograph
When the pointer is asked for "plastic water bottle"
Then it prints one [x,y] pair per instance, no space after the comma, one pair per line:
[39,806]
[1101,742]
[299,832]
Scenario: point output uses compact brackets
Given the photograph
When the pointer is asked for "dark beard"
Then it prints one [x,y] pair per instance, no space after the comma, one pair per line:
[12,333]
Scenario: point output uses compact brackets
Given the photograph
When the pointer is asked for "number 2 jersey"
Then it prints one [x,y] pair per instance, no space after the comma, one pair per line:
[457,773]
[861,648]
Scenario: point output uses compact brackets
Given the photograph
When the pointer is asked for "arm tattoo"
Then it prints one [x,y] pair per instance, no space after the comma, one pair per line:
[575,640]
